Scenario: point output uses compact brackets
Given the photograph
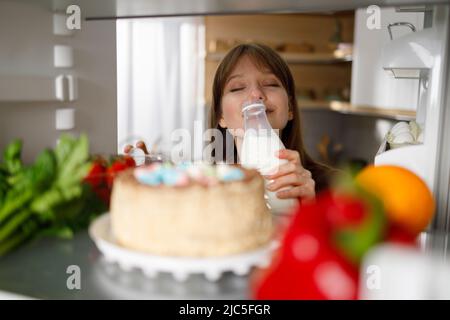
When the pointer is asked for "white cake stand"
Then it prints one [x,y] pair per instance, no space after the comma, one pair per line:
[179,267]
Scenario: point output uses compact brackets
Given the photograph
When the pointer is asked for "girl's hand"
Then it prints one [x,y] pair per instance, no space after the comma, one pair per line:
[293,176]
[140,145]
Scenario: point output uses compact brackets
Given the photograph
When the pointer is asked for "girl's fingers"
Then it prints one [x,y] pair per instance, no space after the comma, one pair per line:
[284,169]
[291,193]
[292,175]
[307,173]
[141,145]
[304,192]
[290,155]
[127,148]
[287,168]
[291,179]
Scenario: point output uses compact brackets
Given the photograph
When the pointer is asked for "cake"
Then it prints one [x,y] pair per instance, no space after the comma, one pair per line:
[193,210]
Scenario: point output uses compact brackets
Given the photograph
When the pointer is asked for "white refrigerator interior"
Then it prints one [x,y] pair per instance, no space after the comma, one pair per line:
[402,66]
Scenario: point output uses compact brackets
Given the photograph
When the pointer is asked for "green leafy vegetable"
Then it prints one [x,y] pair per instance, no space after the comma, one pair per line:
[11,157]
[47,197]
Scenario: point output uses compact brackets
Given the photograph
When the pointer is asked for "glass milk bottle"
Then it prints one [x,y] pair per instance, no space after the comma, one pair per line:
[259,147]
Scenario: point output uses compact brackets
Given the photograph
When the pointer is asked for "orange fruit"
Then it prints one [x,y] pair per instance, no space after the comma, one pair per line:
[407,200]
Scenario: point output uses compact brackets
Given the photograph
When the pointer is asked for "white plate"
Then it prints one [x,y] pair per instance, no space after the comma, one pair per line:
[180,267]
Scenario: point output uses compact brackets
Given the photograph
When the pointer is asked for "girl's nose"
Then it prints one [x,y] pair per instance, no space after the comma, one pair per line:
[257,93]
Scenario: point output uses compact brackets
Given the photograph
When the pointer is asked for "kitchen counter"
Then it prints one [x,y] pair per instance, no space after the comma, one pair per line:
[39,270]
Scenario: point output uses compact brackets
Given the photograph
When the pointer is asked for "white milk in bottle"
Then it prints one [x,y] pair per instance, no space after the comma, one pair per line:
[258,150]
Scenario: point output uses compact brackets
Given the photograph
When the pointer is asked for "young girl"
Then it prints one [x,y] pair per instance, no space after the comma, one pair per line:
[255,71]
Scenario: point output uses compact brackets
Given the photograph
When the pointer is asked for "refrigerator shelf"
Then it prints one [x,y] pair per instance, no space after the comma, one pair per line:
[351,109]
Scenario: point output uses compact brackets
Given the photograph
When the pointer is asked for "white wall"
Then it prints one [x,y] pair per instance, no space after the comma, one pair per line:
[371,85]
[26,48]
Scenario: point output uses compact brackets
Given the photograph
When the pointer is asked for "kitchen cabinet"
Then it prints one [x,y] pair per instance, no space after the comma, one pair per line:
[309,43]
[322,75]
[296,58]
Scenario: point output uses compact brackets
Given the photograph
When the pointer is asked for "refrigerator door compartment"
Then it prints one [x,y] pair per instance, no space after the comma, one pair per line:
[413,157]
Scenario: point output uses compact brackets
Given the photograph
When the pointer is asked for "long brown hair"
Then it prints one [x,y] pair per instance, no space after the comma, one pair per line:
[265,57]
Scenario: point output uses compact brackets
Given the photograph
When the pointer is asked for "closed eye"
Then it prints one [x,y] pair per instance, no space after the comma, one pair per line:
[237,89]
[272,85]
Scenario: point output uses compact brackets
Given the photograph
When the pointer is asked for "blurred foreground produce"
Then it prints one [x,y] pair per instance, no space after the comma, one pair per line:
[53,196]
[103,171]
[325,243]
[406,198]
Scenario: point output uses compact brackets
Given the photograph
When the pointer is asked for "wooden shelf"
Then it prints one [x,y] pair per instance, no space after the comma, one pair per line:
[297,58]
[347,108]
